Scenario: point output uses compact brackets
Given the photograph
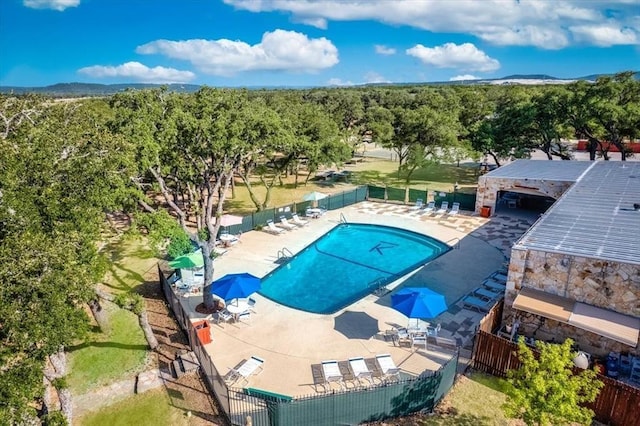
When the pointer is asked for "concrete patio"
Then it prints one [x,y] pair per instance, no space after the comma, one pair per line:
[290,341]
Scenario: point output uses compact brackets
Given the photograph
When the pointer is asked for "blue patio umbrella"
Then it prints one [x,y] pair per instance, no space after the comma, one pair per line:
[418,302]
[236,286]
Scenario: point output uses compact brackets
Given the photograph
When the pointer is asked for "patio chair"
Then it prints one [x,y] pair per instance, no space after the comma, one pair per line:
[433,331]
[419,204]
[223,316]
[475,304]
[486,294]
[360,370]
[444,207]
[284,223]
[431,206]
[245,316]
[388,367]
[272,228]
[332,374]
[494,285]
[243,371]
[419,339]
[252,304]
[300,222]
[455,209]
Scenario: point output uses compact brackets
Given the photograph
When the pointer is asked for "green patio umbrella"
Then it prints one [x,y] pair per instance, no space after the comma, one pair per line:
[187,261]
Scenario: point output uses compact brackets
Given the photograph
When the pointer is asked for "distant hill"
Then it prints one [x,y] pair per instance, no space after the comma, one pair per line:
[93,89]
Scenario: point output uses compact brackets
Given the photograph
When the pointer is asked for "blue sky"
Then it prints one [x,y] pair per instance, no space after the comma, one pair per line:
[235,43]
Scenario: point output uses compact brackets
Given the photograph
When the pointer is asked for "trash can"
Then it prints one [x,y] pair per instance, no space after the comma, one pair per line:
[203,331]
[485,211]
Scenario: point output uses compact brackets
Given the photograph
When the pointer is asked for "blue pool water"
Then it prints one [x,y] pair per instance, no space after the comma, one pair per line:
[346,264]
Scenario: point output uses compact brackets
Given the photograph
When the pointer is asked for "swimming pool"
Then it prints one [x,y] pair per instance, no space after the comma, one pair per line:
[346,264]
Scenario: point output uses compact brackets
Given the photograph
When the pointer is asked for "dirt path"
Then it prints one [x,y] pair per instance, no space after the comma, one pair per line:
[189,392]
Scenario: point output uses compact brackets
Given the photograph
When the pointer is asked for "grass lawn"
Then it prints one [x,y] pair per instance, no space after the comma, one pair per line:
[108,355]
[120,349]
[441,177]
[153,408]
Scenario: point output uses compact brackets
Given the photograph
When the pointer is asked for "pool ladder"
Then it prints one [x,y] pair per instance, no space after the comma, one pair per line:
[284,254]
[379,288]
[343,219]
[456,243]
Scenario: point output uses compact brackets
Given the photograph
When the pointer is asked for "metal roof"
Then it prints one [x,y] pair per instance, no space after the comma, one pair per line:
[540,169]
[596,217]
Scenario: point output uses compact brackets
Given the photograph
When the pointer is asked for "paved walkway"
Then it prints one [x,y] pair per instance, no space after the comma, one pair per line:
[290,341]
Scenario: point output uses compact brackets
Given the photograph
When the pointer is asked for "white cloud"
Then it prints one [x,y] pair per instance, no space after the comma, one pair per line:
[374,77]
[605,35]
[463,77]
[339,82]
[384,50]
[450,55]
[58,5]
[139,72]
[278,50]
[542,23]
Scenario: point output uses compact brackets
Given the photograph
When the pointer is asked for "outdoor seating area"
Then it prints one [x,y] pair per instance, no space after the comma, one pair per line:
[356,372]
[240,374]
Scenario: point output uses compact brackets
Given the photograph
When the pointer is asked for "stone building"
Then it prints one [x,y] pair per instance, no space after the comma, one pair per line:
[576,272]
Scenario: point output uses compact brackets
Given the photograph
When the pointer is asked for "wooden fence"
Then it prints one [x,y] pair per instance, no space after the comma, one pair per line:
[617,404]
[491,322]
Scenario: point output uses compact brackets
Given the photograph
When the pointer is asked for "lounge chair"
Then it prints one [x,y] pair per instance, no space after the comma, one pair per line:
[300,222]
[444,207]
[486,294]
[272,228]
[419,204]
[388,367]
[475,304]
[243,371]
[455,209]
[494,285]
[360,370]
[431,206]
[284,223]
[332,374]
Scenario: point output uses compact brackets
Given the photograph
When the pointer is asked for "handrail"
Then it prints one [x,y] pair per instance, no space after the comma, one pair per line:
[456,245]
[284,253]
[343,219]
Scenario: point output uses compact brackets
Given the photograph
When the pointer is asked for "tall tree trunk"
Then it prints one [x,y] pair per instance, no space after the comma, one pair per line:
[207,295]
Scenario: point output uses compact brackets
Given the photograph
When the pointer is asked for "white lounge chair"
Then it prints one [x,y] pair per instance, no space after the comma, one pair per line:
[431,206]
[388,367]
[455,209]
[243,371]
[360,370]
[272,228]
[284,223]
[419,204]
[300,222]
[332,374]
[444,207]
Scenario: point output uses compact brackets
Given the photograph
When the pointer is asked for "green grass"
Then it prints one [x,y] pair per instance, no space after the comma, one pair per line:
[153,408]
[106,356]
[440,177]
[476,400]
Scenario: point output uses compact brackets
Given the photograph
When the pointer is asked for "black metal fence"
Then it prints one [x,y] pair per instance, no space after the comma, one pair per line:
[378,402]
[354,406]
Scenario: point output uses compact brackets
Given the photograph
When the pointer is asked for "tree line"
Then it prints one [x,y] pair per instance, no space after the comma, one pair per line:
[169,160]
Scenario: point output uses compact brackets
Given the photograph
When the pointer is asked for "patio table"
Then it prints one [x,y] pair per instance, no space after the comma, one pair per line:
[236,307]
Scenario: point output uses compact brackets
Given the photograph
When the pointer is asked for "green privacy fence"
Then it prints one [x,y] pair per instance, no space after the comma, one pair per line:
[336,201]
[354,406]
[467,201]
[331,202]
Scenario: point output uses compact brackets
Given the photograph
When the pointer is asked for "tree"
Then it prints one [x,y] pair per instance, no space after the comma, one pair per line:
[546,125]
[545,390]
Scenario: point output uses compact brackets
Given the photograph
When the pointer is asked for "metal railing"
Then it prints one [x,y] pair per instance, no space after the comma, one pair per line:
[284,254]
[342,218]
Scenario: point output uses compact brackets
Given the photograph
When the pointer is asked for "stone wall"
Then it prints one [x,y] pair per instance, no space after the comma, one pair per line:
[609,285]
[488,188]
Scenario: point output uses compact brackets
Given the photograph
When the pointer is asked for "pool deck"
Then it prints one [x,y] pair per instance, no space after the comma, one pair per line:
[290,341]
